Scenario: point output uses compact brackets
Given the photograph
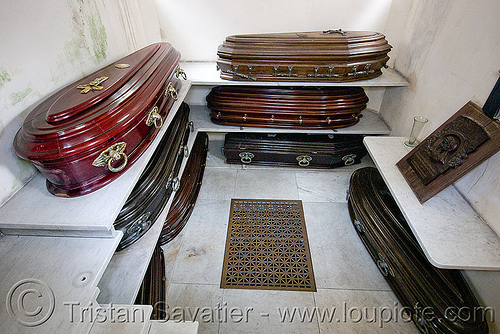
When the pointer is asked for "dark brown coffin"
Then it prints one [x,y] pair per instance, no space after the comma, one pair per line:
[90,132]
[294,150]
[439,300]
[332,56]
[185,197]
[154,286]
[287,107]
[156,183]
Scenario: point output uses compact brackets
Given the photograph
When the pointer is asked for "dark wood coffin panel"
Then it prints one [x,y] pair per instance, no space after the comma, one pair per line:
[333,55]
[156,183]
[88,133]
[294,150]
[185,197]
[439,300]
[287,107]
[154,286]
[463,142]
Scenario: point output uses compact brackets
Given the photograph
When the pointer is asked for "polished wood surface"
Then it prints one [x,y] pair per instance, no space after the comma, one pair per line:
[287,107]
[294,150]
[437,300]
[459,145]
[66,132]
[323,56]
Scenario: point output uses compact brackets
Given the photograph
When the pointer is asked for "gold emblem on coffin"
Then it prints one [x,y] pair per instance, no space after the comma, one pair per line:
[113,153]
[93,85]
[122,65]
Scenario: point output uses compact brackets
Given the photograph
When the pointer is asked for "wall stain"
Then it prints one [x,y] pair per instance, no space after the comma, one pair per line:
[4,77]
[18,97]
[98,34]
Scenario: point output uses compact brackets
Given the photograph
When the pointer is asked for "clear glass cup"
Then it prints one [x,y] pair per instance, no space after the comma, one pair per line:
[418,124]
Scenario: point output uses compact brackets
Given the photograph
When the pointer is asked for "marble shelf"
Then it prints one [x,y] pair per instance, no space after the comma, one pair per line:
[137,317]
[370,123]
[63,272]
[450,232]
[205,73]
[123,277]
[88,215]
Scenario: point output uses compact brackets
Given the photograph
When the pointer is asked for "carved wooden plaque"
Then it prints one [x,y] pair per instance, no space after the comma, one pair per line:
[459,145]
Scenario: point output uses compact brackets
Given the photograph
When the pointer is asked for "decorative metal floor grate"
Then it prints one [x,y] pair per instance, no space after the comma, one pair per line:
[267,247]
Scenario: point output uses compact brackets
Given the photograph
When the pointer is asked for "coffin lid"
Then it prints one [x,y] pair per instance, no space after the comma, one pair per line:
[73,101]
[308,36]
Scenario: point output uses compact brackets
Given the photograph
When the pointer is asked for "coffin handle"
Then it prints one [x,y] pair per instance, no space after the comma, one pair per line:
[154,118]
[171,91]
[113,153]
[303,160]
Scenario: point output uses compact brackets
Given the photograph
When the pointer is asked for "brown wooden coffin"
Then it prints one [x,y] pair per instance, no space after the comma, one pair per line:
[90,132]
[154,286]
[294,150]
[156,183]
[287,107]
[332,56]
[438,300]
[185,197]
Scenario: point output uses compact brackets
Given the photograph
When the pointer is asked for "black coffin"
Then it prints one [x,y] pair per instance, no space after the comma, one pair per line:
[294,150]
[439,300]
[185,197]
[156,183]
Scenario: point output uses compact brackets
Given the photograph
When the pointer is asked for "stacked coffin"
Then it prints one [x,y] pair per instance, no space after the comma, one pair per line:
[185,198]
[292,150]
[88,133]
[156,183]
[154,286]
[332,56]
[438,300]
[287,107]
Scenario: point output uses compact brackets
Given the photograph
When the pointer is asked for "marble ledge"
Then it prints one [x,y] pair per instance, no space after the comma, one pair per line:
[205,73]
[450,232]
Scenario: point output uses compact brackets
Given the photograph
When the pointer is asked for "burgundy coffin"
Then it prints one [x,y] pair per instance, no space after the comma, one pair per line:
[88,133]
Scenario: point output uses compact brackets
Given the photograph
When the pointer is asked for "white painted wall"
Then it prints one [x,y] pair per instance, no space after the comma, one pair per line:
[449,50]
[49,44]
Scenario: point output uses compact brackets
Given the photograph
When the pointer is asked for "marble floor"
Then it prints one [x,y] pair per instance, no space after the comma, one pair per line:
[352,296]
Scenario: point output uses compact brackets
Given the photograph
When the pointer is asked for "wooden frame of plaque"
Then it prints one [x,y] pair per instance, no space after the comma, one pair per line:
[459,145]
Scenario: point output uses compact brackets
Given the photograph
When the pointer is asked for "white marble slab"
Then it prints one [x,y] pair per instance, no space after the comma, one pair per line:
[450,232]
[205,73]
[34,211]
[171,327]
[55,278]
[370,124]
[123,276]
[122,319]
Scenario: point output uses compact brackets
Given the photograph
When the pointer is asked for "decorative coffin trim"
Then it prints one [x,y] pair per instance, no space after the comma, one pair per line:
[459,145]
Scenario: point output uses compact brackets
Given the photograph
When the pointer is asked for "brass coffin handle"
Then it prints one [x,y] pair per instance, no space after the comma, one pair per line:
[170,91]
[154,118]
[113,153]
[349,159]
[179,72]
[176,183]
[246,157]
[304,160]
